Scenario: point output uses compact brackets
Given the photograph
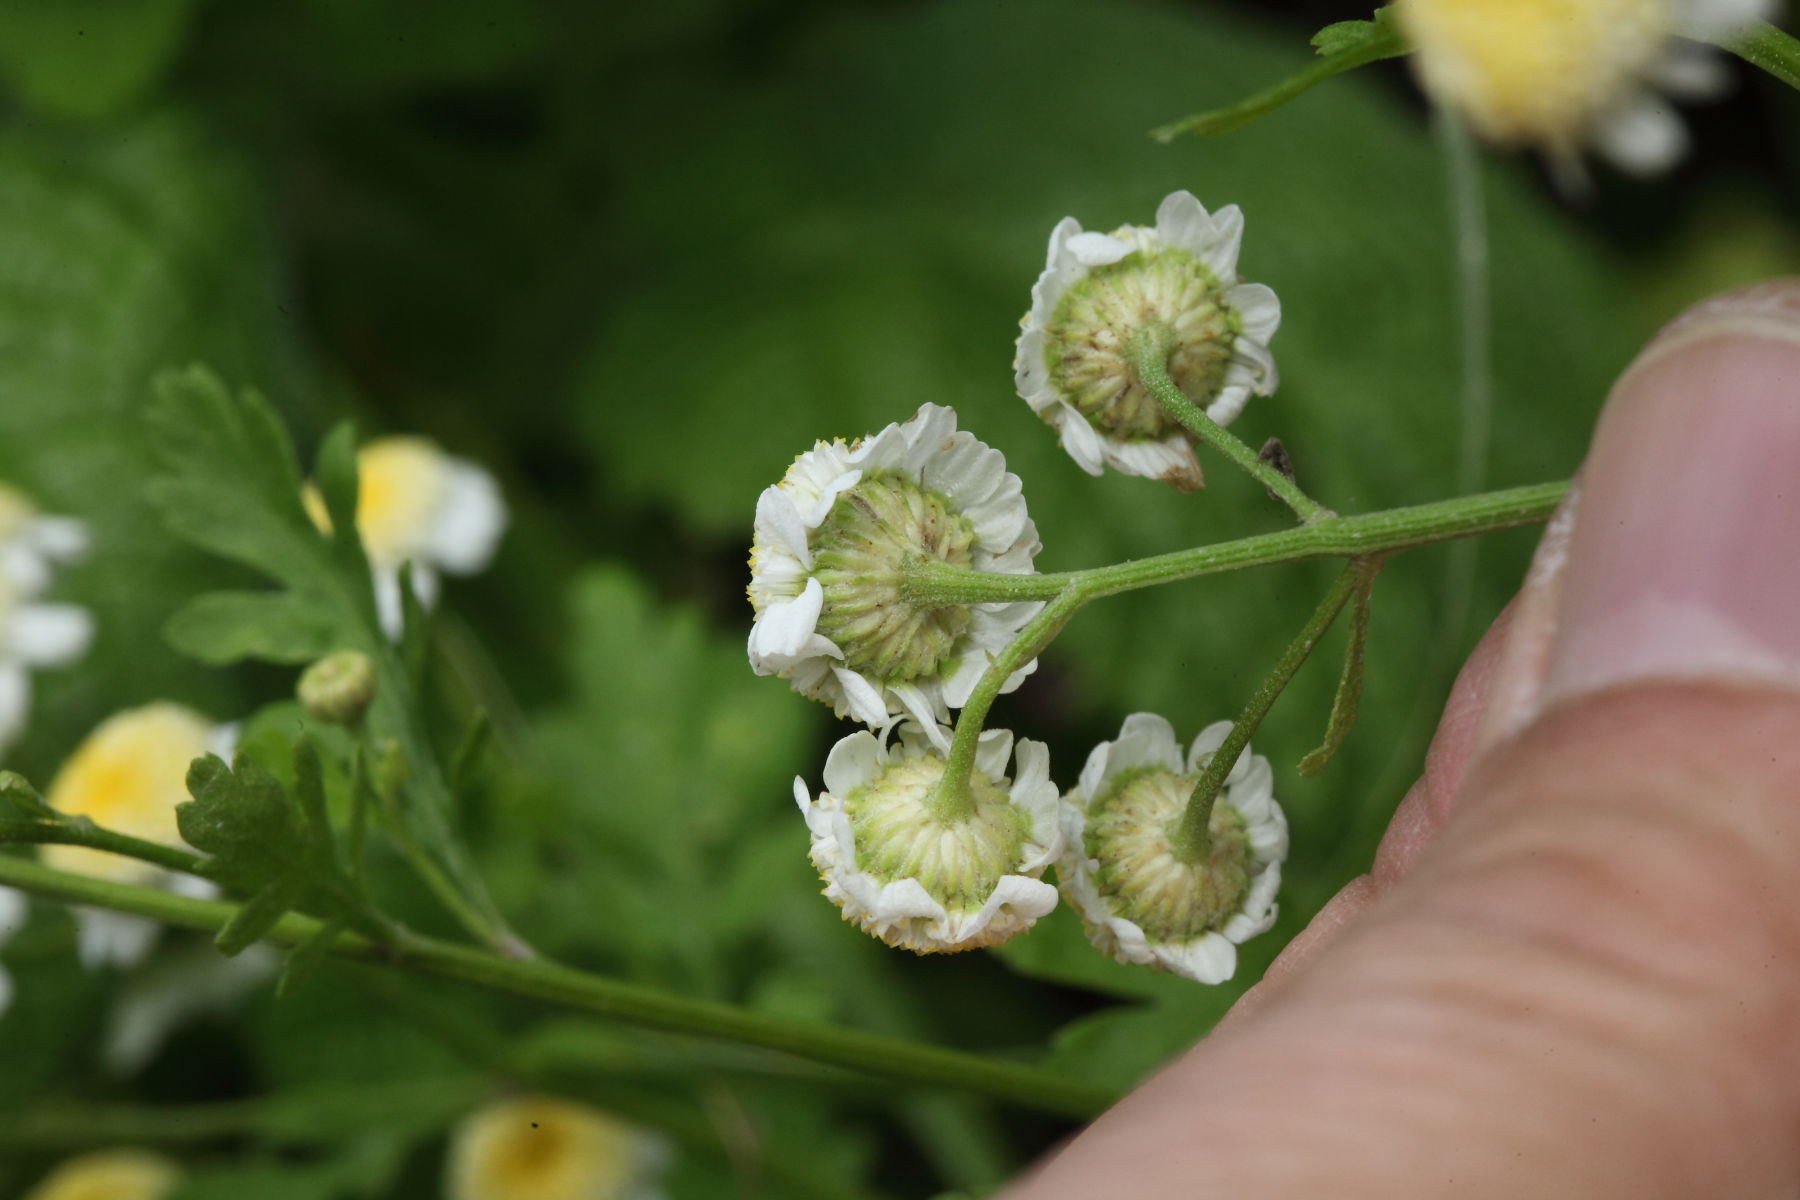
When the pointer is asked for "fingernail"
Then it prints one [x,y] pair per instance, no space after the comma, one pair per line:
[1514,689]
[1684,559]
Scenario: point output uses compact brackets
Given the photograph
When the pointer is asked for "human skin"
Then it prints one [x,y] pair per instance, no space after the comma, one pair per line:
[1573,968]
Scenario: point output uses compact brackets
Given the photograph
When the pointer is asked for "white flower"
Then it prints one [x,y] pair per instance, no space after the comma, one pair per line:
[417,504]
[127,776]
[33,634]
[1098,291]
[112,1174]
[1564,74]
[830,540]
[13,910]
[33,543]
[924,880]
[1140,902]
[541,1148]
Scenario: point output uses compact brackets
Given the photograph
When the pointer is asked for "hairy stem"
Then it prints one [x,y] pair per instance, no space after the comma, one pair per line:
[873,1054]
[1149,354]
[1335,537]
[1194,838]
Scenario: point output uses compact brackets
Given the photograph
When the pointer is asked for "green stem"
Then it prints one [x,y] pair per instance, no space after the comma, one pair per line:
[82,832]
[1383,41]
[928,584]
[1194,838]
[1149,355]
[1767,47]
[954,799]
[874,1054]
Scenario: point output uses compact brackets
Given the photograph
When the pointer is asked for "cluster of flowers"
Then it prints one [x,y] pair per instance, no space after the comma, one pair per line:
[936,870]
[519,1148]
[416,505]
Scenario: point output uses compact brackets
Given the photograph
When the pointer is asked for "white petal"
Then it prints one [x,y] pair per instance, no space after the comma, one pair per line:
[1258,307]
[854,760]
[779,525]
[59,539]
[1145,740]
[1205,742]
[863,700]
[785,630]
[1641,136]
[1210,959]
[23,568]
[1080,440]
[1690,71]
[387,600]
[1097,249]
[992,749]
[112,939]
[1182,221]
[14,908]
[1709,19]
[1018,900]
[49,635]
[927,710]
[1222,258]
[1171,460]
[15,702]
[470,517]
[174,994]
[1065,229]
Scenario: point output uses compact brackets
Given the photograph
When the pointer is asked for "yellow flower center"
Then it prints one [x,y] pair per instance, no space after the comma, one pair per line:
[536,1148]
[128,776]
[15,510]
[1130,828]
[109,1175]
[400,483]
[1534,71]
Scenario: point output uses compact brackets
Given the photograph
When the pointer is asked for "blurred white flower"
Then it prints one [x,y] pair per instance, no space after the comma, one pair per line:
[14,908]
[542,1148]
[32,543]
[416,504]
[33,634]
[825,564]
[110,1175]
[1139,900]
[127,776]
[920,879]
[1564,75]
[1099,291]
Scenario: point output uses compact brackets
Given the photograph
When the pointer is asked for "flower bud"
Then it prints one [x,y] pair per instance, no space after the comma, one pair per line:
[1100,292]
[832,542]
[1140,900]
[337,688]
[925,876]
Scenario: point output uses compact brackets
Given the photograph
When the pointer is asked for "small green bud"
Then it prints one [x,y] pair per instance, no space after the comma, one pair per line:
[338,687]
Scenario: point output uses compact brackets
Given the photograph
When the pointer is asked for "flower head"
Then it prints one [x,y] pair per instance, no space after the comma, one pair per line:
[1564,74]
[32,543]
[1099,291]
[128,775]
[416,504]
[109,1175]
[918,877]
[825,567]
[33,634]
[539,1148]
[1140,901]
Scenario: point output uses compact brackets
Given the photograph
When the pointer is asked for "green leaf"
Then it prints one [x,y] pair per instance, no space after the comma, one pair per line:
[259,914]
[227,627]
[243,818]
[1345,36]
[89,58]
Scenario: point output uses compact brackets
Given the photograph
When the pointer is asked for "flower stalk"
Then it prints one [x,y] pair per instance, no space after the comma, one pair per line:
[874,1054]
[1193,837]
[1149,355]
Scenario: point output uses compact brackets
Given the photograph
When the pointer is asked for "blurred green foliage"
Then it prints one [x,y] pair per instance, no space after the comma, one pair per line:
[634,261]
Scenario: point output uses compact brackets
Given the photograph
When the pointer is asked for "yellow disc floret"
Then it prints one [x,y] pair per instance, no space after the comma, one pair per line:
[539,1148]
[128,776]
[109,1175]
[1534,71]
